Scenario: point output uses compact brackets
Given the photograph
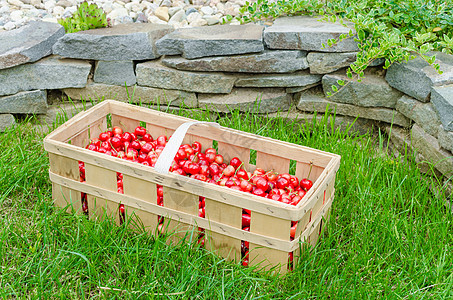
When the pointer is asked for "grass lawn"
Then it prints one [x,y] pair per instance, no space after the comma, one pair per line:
[389,235]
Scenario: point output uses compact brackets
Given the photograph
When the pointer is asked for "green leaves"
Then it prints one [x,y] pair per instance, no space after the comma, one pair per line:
[397,30]
[87,16]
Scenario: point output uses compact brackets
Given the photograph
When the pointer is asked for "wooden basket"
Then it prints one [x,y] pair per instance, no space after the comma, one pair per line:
[269,235]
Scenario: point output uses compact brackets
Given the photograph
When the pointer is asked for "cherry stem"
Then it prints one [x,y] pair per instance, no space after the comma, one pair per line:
[235,172]
[309,172]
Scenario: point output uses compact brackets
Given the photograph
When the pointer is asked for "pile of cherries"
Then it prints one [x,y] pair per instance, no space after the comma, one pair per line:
[208,165]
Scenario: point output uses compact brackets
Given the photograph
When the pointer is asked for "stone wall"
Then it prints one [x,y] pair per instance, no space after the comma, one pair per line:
[282,67]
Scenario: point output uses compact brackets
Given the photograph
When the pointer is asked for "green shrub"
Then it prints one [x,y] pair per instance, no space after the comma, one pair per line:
[396,30]
[87,16]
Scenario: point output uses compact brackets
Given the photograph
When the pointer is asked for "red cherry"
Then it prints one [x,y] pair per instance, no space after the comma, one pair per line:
[117,130]
[306,184]
[282,183]
[136,145]
[219,159]
[245,220]
[259,192]
[242,174]
[196,147]
[161,140]
[147,138]
[261,183]
[210,157]
[235,162]
[210,150]
[127,137]
[140,131]
[229,171]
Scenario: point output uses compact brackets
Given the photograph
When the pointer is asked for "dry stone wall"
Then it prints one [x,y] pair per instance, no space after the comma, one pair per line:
[272,69]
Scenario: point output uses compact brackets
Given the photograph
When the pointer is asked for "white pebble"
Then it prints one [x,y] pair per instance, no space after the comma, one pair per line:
[49,5]
[17,3]
[192,17]
[207,10]
[16,15]
[9,26]
[58,10]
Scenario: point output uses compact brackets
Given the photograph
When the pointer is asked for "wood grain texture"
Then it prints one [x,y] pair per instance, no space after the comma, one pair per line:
[127,124]
[269,162]
[222,244]
[66,198]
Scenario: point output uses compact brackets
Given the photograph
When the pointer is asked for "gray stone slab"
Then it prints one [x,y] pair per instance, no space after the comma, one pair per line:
[48,73]
[270,61]
[400,138]
[136,94]
[154,74]
[307,33]
[421,113]
[323,63]
[28,43]
[416,77]
[309,101]
[445,138]
[247,99]
[298,89]
[121,42]
[6,120]
[373,91]
[429,147]
[442,99]
[297,79]
[31,102]
[115,72]
[214,40]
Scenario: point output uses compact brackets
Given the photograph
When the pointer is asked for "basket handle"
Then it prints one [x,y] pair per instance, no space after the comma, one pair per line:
[165,159]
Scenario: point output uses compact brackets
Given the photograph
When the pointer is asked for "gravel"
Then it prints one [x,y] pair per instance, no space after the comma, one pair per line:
[178,13]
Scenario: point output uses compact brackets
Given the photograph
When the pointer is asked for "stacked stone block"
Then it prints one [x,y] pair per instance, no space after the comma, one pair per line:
[283,69]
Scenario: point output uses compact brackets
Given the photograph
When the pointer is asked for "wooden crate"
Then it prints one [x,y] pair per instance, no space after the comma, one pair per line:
[269,235]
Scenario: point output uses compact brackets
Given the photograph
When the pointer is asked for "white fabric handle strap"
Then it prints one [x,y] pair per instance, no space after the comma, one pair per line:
[167,156]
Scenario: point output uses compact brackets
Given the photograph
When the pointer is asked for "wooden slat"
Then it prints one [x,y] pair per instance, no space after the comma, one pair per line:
[64,166]
[228,151]
[100,209]
[178,215]
[141,220]
[222,194]
[226,135]
[100,177]
[303,171]
[127,124]
[81,139]
[64,197]
[140,189]
[143,190]
[222,244]
[97,127]
[273,227]
[183,202]
[79,122]
[205,143]
[267,259]
[271,162]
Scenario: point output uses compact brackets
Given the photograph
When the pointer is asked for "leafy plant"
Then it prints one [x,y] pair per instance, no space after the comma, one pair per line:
[87,16]
[396,30]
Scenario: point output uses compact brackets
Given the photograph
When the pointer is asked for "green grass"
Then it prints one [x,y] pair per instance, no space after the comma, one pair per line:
[389,235]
